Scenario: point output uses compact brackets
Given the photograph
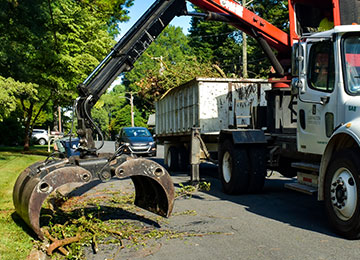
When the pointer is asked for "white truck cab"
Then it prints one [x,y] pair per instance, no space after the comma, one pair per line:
[328,84]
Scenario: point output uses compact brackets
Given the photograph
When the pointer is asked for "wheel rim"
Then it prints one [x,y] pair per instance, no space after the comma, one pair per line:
[343,193]
[226,167]
[42,142]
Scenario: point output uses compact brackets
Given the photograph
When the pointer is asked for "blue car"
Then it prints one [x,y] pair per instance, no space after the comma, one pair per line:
[137,141]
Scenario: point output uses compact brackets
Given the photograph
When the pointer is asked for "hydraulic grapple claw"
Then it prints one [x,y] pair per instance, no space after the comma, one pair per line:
[154,190]
[33,186]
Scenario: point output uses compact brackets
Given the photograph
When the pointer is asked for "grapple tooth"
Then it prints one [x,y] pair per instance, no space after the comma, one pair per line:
[154,189]
[32,188]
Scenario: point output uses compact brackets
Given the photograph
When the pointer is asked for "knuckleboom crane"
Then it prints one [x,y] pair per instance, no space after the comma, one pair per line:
[153,185]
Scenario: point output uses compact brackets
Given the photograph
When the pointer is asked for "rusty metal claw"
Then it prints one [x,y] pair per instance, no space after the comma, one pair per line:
[154,189]
[31,189]
[153,186]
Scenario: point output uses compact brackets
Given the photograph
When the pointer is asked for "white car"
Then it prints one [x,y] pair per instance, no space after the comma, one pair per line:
[40,136]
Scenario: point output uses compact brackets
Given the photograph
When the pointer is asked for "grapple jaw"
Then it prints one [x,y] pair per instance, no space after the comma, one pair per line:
[154,190]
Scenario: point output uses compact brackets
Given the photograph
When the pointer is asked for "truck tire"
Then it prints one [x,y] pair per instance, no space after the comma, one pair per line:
[257,155]
[233,168]
[341,192]
[173,158]
[183,158]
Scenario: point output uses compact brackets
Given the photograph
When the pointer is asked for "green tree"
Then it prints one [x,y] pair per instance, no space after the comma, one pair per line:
[107,107]
[122,118]
[215,42]
[55,44]
[220,43]
[10,91]
[167,63]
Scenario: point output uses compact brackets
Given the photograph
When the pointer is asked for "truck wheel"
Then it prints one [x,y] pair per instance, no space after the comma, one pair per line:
[183,158]
[342,189]
[233,168]
[257,156]
[42,141]
[173,159]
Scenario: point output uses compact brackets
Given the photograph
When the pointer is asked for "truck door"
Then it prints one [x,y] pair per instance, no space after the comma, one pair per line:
[317,102]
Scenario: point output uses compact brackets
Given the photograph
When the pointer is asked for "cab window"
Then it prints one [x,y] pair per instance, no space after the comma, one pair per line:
[321,67]
[351,60]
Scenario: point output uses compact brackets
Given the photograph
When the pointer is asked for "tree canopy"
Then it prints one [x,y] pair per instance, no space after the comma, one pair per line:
[168,62]
[221,43]
[49,47]
[55,45]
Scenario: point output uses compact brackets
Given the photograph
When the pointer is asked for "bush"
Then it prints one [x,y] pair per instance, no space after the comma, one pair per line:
[11,132]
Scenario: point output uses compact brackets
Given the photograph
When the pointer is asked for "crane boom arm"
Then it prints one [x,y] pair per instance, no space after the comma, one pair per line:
[248,22]
[121,58]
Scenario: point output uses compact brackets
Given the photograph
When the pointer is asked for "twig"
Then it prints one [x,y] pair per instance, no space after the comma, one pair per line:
[52,239]
[59,243]
[94,244]
[219,70]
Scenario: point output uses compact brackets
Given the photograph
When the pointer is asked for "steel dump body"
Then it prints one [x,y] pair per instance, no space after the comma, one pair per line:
[210,104]
[190,117]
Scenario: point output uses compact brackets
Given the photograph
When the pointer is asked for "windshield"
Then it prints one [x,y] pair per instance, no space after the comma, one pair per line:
[137,132]
[351,58]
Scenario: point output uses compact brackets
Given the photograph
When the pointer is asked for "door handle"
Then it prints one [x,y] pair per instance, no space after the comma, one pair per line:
[324,100]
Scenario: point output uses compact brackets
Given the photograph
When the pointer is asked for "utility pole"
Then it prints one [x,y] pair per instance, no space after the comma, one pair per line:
[132,109]
[244,50]
[131,99]
[59,112]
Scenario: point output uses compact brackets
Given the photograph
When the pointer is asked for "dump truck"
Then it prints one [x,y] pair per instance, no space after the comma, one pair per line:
[309,126]
[306,127]
[205,105]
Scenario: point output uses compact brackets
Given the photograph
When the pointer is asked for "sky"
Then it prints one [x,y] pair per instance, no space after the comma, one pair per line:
[140,6]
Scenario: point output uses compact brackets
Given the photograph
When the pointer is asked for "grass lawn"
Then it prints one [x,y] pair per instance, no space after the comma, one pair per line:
[15,242]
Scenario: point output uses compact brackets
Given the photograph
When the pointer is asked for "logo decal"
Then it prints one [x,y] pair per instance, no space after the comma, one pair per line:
[233,7]
[352,108]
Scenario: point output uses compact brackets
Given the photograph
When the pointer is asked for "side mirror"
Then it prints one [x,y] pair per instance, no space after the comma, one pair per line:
[297,59]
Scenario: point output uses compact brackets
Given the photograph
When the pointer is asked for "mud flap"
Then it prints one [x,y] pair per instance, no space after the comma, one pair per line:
[153,186]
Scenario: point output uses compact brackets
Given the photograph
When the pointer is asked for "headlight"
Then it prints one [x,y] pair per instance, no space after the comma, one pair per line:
[151,143]
[127,144]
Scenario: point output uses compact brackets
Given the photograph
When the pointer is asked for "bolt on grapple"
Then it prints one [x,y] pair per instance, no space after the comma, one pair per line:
[154,190]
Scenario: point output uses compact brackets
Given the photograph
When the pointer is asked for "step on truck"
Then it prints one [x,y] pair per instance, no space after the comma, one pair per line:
[309,126]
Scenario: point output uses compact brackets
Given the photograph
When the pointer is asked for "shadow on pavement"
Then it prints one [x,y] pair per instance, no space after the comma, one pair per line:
[275,202]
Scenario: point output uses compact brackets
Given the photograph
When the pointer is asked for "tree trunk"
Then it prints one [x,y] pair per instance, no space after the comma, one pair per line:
[29,123]
[27,127]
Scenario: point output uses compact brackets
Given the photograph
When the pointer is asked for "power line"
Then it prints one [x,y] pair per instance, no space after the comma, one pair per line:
[212,35]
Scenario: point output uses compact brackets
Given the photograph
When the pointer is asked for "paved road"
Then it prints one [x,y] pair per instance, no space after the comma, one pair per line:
[276,224]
